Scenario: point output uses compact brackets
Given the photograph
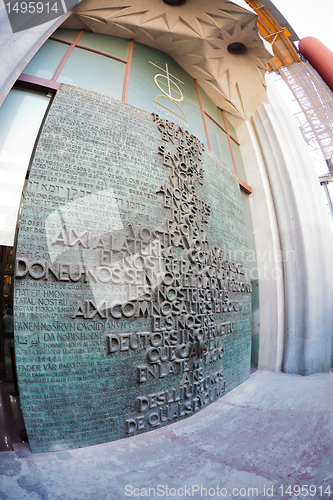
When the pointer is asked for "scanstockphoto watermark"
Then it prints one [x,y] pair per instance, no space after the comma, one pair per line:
[199,491]
[265,263]
[24,15]
[194,491]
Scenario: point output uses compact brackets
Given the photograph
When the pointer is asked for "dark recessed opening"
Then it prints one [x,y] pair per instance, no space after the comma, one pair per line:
[237,48]
[176,3]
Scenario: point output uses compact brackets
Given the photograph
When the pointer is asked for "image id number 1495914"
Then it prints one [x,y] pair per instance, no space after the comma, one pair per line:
[306,490]
[32,7]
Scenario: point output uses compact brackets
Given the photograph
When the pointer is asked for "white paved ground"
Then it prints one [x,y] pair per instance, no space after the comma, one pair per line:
[273,431]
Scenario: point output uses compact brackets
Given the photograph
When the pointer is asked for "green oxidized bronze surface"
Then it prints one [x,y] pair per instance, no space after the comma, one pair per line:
[132,304]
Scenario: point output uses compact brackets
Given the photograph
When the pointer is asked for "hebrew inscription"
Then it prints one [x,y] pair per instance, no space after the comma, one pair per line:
[132,303]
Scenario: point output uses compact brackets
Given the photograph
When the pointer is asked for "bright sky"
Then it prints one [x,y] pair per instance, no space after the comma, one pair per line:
[309,18]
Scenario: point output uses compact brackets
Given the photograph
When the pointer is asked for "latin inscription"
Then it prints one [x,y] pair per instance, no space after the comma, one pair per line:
[132,310]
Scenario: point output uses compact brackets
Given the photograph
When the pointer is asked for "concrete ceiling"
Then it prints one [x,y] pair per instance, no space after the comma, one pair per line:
[196,35]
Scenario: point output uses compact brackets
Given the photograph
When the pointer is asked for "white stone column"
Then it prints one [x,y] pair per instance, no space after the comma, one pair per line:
[306,239]
[268,251]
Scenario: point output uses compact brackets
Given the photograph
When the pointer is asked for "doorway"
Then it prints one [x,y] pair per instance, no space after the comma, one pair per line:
[11,419]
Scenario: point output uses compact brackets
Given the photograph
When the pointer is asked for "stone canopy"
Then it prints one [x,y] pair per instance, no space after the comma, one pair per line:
[197,35]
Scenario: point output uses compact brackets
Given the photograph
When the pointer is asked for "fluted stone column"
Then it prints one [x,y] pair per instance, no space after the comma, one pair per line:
[306,240]
[268,251]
